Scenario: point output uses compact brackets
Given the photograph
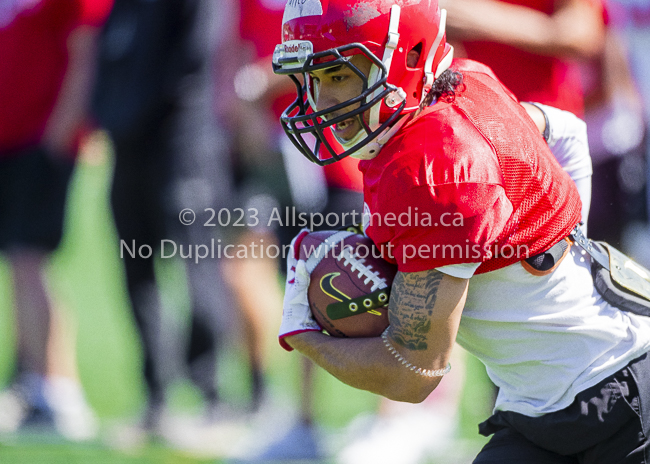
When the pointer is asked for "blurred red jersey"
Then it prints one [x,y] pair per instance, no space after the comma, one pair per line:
[34,57]
[261,23]
[470,181]
[531,77]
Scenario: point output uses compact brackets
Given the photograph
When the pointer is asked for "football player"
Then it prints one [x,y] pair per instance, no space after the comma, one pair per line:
[377,81]
[47,50]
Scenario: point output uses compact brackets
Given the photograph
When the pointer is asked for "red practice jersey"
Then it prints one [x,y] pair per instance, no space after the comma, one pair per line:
[471,181]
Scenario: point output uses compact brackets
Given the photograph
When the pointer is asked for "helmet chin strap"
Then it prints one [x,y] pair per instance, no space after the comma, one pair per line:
[372,149]
[391,45]
[430,74]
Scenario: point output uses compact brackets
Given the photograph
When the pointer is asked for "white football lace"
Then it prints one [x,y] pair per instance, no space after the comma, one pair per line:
[323,249]
[357,264]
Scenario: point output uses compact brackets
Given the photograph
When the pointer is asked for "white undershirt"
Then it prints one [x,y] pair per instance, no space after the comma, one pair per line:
[545,339]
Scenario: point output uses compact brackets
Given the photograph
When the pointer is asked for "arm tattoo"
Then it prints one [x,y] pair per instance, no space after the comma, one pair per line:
[411,306]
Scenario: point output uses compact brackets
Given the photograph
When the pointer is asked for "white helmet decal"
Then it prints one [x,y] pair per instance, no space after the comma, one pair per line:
[299,8]
[361,13]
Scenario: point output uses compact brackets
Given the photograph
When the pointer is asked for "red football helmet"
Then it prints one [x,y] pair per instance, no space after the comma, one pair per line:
[318,34]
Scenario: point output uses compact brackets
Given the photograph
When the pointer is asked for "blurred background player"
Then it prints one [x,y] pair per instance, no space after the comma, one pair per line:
[47,50]
[270,176]
[530,45]
[617,119]
[249,97]
[154,96]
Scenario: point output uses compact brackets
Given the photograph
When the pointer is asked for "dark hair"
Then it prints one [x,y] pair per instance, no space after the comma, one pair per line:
[444,88]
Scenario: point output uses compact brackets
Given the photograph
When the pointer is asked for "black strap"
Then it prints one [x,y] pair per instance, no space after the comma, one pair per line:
[547,126]
[547,260]
[359,305]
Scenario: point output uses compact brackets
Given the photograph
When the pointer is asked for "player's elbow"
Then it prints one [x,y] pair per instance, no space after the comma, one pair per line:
[414,398]
[412,390]
[583,41]
[588,49]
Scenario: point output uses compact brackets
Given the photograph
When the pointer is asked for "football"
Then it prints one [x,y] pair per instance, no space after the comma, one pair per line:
[350,284]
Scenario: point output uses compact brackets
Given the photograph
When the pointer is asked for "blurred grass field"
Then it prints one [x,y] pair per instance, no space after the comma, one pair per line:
[87,279]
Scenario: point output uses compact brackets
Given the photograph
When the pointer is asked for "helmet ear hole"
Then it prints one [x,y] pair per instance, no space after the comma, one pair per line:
[413,56]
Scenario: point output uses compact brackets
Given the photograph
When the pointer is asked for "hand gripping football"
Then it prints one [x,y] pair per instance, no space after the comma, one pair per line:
[350,283]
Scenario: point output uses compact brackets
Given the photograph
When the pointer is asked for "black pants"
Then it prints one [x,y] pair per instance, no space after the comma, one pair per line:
[162,170]
[606,424]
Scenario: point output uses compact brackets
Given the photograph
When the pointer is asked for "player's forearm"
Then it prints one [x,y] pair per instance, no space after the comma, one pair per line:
[366,364]
[576,30]
[72,104]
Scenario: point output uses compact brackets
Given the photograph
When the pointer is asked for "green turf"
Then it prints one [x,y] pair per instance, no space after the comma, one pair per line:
[37,452]
[86,275]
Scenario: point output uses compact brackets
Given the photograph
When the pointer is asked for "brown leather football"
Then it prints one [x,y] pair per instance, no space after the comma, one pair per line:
[350,284]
